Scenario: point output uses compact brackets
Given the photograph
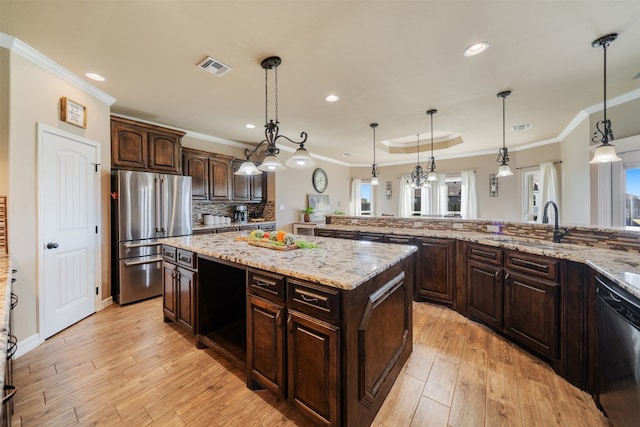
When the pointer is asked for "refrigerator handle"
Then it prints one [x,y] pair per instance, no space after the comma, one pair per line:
[163,207]
[158,206]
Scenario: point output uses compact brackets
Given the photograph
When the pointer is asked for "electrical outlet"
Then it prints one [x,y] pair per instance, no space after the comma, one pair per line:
[417,224]
[493,228]
[281,207]
[354,221]
[458,225]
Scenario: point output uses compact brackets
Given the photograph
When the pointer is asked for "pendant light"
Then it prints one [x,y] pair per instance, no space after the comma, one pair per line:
[503,153]
[301,159]
[374,167]
[432,161]
[606,152]
[417,178]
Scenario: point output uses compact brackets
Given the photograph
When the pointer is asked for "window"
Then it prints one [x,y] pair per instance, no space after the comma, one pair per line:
[366,202]
[530,195]
[454,194]
[632,196]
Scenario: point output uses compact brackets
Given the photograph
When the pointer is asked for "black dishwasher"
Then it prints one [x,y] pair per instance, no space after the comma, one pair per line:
[618,353]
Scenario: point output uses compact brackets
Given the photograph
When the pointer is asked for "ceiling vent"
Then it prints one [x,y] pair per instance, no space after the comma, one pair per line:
[214,66]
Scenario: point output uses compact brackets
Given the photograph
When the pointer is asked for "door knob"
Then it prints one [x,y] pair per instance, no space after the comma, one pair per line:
[52,245]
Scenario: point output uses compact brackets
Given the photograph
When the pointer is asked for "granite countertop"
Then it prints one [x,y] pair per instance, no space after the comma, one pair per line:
[343,264]
[5,309]
[623,268]
[200,226]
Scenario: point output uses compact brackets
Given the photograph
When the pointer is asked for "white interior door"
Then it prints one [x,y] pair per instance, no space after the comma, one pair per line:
[69,189]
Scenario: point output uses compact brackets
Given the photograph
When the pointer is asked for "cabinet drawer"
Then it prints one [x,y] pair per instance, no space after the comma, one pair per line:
[324,233]
[187,258]
[536,265]
[487,254]
[169,253]
[402,240]
[371,237]
[346,235]
[320,302]
[267,285]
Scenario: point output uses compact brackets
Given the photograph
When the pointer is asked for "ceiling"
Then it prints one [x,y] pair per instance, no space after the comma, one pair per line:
[389,61]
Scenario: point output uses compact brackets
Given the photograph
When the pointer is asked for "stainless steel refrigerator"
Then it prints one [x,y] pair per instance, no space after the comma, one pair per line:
[145,207]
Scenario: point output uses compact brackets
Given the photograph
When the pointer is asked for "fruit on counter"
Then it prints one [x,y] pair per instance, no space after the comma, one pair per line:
[281,238]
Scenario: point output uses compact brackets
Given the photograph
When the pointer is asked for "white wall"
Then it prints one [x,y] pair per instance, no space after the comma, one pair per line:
[33,96]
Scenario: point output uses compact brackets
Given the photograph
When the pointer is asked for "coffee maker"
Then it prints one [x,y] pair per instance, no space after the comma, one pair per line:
[240,213]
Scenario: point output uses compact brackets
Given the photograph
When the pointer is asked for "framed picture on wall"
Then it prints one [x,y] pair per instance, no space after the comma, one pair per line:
[73,113]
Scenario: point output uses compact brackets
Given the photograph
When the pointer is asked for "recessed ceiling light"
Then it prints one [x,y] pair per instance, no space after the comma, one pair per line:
[525,126]
[250,126]
[346,154]
[476,49]
[332,98]
[96,77]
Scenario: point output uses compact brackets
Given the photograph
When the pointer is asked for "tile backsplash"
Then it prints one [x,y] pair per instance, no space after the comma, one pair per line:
[255,210]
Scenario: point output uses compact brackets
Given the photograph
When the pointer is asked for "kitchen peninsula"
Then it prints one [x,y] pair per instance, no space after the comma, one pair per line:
[327,328]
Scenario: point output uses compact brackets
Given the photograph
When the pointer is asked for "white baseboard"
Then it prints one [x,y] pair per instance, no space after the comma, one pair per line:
[26,345]
[105,303]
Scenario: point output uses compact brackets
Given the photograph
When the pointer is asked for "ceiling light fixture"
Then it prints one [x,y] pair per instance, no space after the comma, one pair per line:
[332,98]
[503,153]
[417,178]
[432,161]
[476,49]
[605,152]
[301,159]
[250,126]
[374,167]
[95,76]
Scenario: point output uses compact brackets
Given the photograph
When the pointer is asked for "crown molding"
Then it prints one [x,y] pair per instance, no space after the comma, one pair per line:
[17,46]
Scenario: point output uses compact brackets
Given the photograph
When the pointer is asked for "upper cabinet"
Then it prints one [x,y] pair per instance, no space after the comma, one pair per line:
[248,188]
[141,146]
[210,174]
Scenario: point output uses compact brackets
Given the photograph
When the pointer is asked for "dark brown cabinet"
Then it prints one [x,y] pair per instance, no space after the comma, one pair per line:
[436,270]
[314,368]
[179,287]
[532,302]
[484,284]
[265,331]
[210,174]
[140,146]
[247,188]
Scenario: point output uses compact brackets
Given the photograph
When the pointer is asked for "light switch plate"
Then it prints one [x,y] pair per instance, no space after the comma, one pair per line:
[417,224]
[493,228]
[458,225]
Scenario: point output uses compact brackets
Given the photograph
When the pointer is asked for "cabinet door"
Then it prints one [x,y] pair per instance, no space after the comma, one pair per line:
[168,291]
[314,368]
[265,344]
[484,288]
[219,179]
[185,284]
[531,308]
[164,152]
[435,273]
[241,185]
[197,167]
[258,187]
[128,146]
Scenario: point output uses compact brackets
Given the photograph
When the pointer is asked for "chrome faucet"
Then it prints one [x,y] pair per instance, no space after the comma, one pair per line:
[557,234]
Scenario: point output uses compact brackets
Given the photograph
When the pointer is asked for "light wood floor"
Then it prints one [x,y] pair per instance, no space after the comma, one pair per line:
[125,366]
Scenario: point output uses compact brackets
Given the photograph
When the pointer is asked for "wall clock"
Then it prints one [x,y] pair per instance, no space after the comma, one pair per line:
[320,180]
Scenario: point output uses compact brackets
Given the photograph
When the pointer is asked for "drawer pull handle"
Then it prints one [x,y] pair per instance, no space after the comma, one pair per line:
[529,264]
[484,254]
[263,284]
[308,299]
[140,245]
[134,263]
[185,258]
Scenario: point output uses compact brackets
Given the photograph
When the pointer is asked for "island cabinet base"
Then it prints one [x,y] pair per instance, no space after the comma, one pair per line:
[333,354]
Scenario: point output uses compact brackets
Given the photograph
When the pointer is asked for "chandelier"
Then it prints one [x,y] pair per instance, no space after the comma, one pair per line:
[417,178]
[432,160]
[605,152]
[503,153]
[301,159]
[374,167]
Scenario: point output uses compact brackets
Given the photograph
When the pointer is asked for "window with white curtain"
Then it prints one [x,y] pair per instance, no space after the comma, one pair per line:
[366,198]
[453,194]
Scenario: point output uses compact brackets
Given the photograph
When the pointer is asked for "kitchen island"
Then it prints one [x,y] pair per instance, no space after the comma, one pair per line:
[327,328]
